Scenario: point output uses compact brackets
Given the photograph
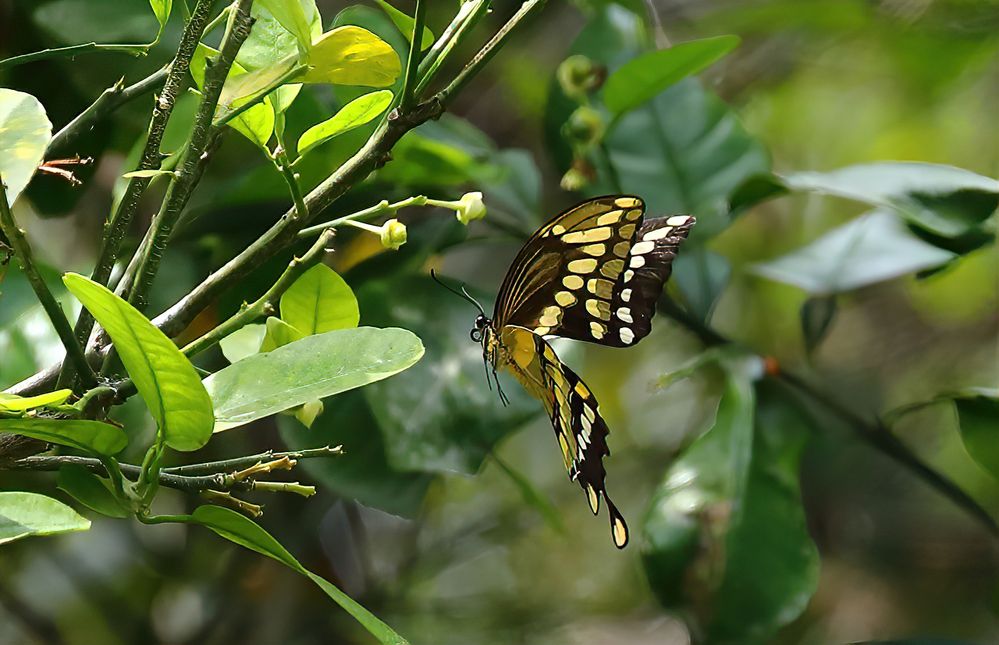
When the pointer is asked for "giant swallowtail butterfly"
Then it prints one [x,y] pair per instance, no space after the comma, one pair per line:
[592,273]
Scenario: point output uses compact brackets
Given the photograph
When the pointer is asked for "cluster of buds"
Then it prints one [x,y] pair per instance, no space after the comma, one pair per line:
[578,76]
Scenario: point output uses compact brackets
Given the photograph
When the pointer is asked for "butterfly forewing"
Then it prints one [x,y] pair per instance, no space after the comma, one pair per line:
[592,273]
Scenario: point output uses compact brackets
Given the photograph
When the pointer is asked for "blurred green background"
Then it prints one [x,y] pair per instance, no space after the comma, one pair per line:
[451,517]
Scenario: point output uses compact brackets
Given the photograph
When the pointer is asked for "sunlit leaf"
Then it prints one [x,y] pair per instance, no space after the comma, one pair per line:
[319,301]
[278,334]
[247,533]
[257,123]
[308,369]
[164,377]
[353,56]
[25,131]
[869,249]
[641,78]
[356,113]
[90,436]
[245,342]
[26,514]
[90,490]
[291,15]
[406,24]
[15,403]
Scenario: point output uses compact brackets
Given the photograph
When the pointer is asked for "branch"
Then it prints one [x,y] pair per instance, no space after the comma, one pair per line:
[109,101]
[22,251]
[73,50]
[409,96]
[176,80]
[147,258]
[467,17]
[873,432]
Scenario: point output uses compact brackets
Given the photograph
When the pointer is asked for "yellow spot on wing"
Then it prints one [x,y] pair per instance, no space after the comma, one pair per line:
[583,266]
[620,532]
[574,281]
[593,499]
[626,202]
[596,250]
[612,268]
[609,218]
[587,236]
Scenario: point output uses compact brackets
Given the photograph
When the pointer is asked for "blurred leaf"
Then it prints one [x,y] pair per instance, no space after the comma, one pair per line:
[440,415]
[644,76]
[942,200]
[726,535]
[78,21]
[869,249]
[90,490]
[278,334]
[161,9]
[352,56]
[164,377]
[15,403]
[25,131]
[257,123]
[406,24]
[26,514]
[247,533]
[701,276]
[978,417]
[817,314]
[754,190]
[308,369]
[319,301]
[532,496]
[93,437]
[418,160]
[242,343]
[362,472]
[361,110]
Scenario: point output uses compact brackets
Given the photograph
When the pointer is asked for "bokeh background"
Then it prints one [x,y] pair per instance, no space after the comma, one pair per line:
[451,517]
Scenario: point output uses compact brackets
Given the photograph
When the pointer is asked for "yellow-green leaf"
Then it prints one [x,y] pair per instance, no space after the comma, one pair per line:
[25,514]
[291,15]
[164,377]
[25,131]
[319,301]
[257,123]
[356,113]
[279,333]
[162,10]
[352,55]
[15,403]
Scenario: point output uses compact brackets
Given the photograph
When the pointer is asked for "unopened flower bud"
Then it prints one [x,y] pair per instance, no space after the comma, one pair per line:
[578,75]
[470,208]
[393,233]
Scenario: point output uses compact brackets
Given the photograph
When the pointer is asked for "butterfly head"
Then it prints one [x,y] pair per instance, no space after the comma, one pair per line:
[480,327]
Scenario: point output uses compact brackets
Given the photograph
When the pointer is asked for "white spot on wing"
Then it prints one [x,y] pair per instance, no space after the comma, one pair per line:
[627,336]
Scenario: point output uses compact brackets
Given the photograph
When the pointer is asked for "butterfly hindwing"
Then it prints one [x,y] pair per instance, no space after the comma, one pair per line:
[575,415]
[593,273]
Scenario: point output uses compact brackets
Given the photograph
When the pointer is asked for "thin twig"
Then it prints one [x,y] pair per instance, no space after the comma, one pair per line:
[232,465]
[22,251]
[73,50]
[467,17]
[109,101]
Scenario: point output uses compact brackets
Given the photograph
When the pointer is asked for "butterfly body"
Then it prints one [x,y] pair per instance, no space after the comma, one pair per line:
[592,273]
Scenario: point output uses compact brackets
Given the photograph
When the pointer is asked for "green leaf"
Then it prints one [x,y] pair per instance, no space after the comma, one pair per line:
[701,275]
[406,24]
[164,377]
[978,417]
[641,78]
[291,15]
[308,369]
[247,86]
[25,131]
[869,249]
[363,472]
[353,56]
[90,490]
[162,10]
[943,200]
[15,403]
[257,123]
[361,110]
[25,514]
[438,416]
[279,333]
[247,533]
[318,302]
[242,343]
[90,436]
[726,540]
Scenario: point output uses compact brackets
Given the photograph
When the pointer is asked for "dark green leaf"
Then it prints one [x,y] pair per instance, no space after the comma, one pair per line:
[817,314]
[165,379]
[869,249]
[641,78]
[362,472]
[440,415]
[308,369]
[978,416]
[90,490]
[754,190]
[26,514]
[90,436]
[701,275]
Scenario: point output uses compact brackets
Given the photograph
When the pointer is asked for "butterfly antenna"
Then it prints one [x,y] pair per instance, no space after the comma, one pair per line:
[499,388]
[463,294]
